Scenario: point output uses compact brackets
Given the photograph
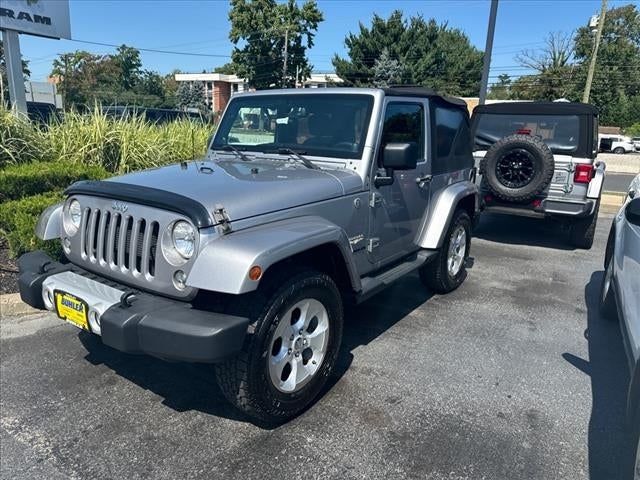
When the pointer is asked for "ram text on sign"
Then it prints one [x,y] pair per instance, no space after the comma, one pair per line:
[46,18]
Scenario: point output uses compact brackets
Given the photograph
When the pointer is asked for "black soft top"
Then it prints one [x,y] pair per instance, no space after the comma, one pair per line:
[422,92]
[537,108]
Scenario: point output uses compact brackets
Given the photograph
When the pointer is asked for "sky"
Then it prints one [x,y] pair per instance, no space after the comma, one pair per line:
[201,27]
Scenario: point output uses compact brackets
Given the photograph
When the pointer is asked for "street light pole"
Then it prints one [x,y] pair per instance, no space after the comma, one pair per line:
[594,55]
[484,83]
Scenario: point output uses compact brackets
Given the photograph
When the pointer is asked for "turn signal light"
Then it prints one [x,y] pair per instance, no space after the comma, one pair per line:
[583,174]
[255,273]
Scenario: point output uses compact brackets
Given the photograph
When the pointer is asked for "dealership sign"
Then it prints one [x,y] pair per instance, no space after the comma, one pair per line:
[46,18]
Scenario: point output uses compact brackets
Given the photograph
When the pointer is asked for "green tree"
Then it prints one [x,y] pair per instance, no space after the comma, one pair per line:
[191,95]
[501,90]
[226,69]
[119,79]
[128,60]
[386,70]
[555,75]
[616,82]
[260,31]
[433,54]
[633,130]
[4,83]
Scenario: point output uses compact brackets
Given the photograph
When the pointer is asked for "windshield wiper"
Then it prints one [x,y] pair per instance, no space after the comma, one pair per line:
[288,151]
[231,148]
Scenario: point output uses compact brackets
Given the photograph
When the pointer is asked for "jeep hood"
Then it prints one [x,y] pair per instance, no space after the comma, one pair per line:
[247,189]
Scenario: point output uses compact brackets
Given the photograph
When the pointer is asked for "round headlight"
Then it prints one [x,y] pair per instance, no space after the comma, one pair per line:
[184,238]
[75,213]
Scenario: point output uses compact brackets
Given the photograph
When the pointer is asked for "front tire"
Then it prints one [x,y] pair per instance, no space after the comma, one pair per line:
[448,270]
[285,362]
[619,151]
[607,305]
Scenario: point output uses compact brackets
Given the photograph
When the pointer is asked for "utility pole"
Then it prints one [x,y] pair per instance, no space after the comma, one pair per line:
[284,68]
[484,83]
[594,55]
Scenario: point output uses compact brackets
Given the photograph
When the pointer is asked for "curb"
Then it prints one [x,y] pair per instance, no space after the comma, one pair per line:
[610,202]
[12,305]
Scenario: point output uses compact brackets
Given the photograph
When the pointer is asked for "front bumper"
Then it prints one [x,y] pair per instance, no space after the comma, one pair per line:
[132,321]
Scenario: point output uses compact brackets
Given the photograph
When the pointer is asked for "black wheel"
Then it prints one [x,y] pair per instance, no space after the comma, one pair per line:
[619,150]
[583,230]
[518,167]
[447,271]
[291,348]
[607,305]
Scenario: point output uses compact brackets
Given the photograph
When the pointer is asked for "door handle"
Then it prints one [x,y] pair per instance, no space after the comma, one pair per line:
[422,181]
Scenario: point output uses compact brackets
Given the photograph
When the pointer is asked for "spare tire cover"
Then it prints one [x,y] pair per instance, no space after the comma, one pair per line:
[518,167]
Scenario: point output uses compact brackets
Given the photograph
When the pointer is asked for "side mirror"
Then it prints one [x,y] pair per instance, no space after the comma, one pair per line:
[400,156]
[632,211]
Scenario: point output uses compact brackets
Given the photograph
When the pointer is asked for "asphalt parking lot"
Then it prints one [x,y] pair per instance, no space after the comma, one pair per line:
[513,376]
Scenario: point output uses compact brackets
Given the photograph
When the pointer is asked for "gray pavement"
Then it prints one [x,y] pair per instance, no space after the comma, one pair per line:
[513,376]
[617,182]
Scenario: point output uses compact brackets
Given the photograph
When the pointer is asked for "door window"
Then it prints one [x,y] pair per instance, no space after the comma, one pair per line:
[404,123]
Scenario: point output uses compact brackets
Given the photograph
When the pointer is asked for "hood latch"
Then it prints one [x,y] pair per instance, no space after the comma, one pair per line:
[221,217]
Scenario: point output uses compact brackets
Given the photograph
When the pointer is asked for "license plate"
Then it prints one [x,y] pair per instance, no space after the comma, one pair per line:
[560,177]
[72,309]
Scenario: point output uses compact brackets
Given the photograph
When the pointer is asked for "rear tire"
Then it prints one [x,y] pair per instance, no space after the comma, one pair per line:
[583,231]
[447,271]
[262,380]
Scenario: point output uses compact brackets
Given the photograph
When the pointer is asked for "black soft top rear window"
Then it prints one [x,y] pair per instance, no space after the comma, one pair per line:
[560,132]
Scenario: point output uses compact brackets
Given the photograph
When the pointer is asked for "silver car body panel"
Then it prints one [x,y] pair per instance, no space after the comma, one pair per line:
[443,204]
[49,226]
[627,274]
[223,266]
[248,189]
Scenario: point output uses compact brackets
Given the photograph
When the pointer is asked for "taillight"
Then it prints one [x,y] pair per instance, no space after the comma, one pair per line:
[583,173]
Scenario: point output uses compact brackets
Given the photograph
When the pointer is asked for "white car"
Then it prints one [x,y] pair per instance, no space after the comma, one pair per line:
[620,297]
[616,144]
[636,143]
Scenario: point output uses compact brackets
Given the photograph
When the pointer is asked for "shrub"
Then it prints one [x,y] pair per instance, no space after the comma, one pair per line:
[18,220]
[124,144]
[24,180]
[20,140]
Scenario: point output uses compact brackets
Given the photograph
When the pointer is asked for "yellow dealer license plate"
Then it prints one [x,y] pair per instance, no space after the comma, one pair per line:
[72,309]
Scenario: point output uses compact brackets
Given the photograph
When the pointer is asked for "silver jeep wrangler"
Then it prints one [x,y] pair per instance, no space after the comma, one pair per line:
[306,199]
[538,159]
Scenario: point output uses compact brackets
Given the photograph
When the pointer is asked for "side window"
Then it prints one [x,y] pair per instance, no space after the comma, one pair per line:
[451,140]
[404,123]
[448,122]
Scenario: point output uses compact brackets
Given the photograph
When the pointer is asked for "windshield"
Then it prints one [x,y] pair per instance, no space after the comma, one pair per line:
[327,125]
[559,132]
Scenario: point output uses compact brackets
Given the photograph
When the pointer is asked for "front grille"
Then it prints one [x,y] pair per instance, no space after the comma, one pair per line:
[119,240]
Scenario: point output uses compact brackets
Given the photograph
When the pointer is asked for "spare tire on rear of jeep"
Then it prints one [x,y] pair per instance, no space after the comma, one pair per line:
[518,167]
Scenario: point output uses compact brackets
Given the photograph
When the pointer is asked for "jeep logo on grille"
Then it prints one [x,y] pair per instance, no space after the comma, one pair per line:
[119,206]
